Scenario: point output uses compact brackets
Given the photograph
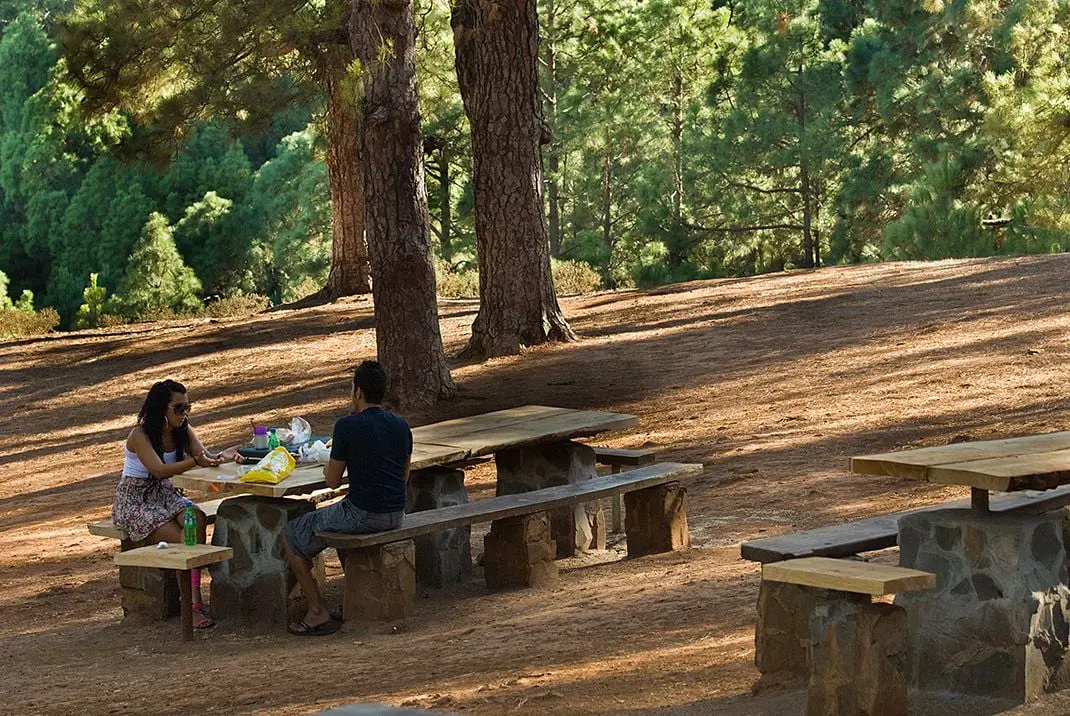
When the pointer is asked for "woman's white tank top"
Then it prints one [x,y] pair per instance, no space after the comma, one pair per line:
[133,467]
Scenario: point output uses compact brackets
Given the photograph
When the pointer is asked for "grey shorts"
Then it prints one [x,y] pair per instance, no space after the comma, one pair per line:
[343,517]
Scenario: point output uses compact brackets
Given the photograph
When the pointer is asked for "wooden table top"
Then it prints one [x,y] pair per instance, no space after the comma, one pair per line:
[1034,462]
[447,443]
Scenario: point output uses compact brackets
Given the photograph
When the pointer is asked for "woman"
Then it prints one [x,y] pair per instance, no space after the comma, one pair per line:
[147,506]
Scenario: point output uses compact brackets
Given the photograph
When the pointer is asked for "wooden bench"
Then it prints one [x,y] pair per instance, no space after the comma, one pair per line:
[617,458]
[107,528]
[854,650]
[882,532]
[380,573]
[178,557]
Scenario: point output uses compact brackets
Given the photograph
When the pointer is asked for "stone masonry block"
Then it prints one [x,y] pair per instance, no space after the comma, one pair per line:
[380,582]
[576,529]
[655,520]
[445,557]
[519,552]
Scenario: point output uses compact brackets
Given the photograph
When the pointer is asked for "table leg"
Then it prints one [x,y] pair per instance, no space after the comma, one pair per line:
[979,499]
[618,502]
[186,603]
[444,557]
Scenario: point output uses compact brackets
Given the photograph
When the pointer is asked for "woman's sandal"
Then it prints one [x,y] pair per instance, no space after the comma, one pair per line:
[328,627]
[201,620]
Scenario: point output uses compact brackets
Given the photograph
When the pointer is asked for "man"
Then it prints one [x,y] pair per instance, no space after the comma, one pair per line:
[375,446]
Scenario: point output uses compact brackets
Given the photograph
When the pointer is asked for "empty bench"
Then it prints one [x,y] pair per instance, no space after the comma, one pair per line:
[380,570]
[855,658]
[617,458]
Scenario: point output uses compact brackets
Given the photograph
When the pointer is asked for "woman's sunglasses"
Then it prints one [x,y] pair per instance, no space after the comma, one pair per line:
[181,408]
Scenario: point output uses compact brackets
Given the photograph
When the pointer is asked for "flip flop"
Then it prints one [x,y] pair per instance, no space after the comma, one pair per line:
[328,627]
[207,622]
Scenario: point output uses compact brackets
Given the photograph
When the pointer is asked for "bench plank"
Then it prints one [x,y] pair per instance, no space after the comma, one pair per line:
[107,528]
[620,456]
[176,556]
[524,503]
[882,532]
[848,576]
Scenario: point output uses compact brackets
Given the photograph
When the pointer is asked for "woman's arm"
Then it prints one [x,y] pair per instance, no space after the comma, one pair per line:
[138,442]
[200,454]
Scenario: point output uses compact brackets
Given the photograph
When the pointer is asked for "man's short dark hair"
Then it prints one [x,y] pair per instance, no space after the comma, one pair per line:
[371,379]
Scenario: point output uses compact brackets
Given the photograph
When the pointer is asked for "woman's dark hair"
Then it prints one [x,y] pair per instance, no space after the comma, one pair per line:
[153,415]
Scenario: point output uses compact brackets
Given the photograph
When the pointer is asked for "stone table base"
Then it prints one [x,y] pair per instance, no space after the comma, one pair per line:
[256,586]
[519,552]
[445,557]
[998,622]
[380,582]
[576,529]
[782,633]
[655,520]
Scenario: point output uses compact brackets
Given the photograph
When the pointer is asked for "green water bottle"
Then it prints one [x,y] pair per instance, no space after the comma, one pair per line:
[189,525]
[273,439]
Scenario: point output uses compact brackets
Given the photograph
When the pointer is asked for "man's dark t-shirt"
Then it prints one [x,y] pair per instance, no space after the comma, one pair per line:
[375,445]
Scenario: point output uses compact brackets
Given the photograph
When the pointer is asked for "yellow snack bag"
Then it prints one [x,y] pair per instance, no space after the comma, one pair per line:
[273,468]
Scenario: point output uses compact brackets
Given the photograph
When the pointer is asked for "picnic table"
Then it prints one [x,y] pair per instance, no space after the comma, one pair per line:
[998,622]
[533,448]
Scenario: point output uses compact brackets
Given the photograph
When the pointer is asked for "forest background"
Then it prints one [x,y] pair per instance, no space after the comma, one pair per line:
[684,140]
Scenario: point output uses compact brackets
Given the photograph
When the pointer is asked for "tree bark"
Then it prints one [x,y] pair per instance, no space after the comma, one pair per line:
[553,160]
[496,47]
[407,331]
[349,252]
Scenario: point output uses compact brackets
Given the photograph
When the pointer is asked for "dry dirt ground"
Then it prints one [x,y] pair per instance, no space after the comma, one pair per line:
[771,382]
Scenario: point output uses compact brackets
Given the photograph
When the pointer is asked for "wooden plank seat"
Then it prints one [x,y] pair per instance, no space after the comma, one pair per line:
[519,551]
[617,458]
[852,651]
[178,557]
[882,532]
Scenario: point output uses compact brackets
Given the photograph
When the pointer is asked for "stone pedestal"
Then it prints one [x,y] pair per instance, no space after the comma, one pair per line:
[858,656]
[442,558]
[655,520]
[380,582]
[782,633]
[576,529]
[519,552]
[998,622]
[255,587]
[147,594]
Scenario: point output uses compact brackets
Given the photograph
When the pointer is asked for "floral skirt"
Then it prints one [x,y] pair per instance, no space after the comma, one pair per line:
[143,504]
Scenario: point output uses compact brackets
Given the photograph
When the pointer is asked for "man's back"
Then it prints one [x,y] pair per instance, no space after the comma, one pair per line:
[376,446]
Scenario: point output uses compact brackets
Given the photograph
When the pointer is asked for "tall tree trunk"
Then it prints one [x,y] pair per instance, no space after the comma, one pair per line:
[399,238]
[607,214]
[445,208]
[678,243]
[553,161]
[349,251]
[496,47]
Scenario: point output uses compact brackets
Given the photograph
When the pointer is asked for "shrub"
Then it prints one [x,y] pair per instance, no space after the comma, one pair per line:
[455,284]
[17,324]
[237,306]
[574,277]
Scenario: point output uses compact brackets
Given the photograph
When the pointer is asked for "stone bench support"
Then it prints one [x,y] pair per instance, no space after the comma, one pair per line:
[519,552]
[380,581]
[656,520]
[148,594]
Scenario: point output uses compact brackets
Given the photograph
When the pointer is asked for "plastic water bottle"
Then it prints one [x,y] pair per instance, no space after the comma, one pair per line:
[273,439]
[189,525]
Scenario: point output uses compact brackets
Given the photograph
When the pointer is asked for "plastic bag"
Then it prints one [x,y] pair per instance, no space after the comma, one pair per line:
[314,452]
[273,468]
[300,431]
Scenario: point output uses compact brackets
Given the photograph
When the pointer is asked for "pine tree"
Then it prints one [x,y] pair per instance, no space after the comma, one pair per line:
[157,280]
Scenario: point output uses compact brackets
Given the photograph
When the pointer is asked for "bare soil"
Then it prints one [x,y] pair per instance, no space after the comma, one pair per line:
[771,382]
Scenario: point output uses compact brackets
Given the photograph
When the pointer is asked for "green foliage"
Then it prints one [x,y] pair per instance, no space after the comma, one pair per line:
[455,284]
[17,324]
[574,277]
[237,306]
[157,282]
[91,312]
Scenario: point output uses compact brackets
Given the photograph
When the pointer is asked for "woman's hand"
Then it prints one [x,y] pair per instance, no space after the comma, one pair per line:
[231,453]
[206,460]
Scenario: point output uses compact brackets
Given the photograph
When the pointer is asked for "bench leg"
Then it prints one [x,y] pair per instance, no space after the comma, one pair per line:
[519,552]
[380,581]
[186,591]
[655,520]
[148,594]
[618,504]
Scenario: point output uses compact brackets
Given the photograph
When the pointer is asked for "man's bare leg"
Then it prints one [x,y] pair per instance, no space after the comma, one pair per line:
[302,568]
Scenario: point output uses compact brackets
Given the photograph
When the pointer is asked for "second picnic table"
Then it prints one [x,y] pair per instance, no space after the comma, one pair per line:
[998,622]
[532,446]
